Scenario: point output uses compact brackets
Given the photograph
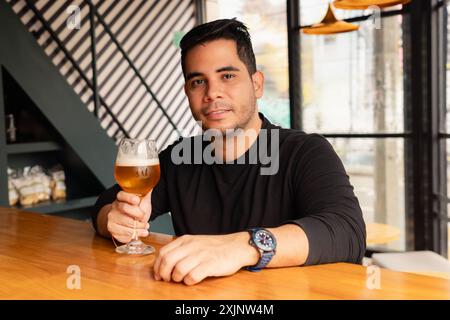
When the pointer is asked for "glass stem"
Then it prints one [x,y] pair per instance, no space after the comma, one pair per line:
[135,234]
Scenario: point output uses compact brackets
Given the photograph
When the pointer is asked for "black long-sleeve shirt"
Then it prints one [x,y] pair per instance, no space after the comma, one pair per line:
[310,189]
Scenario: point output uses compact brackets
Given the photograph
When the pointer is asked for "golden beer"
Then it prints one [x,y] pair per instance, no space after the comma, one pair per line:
[137,171]
[137,176]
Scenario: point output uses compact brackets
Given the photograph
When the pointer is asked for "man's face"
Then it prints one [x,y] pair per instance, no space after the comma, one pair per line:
[222,94]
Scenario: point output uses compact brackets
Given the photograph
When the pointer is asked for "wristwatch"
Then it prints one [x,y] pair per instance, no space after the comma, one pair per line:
[264,241]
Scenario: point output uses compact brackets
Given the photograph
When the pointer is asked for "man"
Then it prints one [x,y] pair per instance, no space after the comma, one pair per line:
[230,216]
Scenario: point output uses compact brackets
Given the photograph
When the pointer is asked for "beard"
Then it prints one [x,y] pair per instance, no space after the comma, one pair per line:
[244,116]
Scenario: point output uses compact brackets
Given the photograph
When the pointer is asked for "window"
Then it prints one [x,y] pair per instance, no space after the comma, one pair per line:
[352,92]
[353,82]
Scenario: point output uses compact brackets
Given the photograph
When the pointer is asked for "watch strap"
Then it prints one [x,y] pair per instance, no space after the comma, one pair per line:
[262,263]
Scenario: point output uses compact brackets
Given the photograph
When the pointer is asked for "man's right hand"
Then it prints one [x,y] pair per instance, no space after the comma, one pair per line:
[124,210]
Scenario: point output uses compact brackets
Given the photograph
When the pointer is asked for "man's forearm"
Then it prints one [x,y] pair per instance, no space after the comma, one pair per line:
[292,246]
[102,221]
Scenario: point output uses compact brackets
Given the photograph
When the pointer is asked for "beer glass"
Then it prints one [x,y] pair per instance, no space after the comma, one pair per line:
[136,171]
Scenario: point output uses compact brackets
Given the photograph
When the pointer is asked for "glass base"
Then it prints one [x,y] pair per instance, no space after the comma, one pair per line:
[135,247]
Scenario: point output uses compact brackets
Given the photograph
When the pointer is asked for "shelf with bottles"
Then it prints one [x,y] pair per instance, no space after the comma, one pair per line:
[29,139]
[26,128]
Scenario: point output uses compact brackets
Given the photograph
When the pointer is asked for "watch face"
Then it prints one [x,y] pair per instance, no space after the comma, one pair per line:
[264,240]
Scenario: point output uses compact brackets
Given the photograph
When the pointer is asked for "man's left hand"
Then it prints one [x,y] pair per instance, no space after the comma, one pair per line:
[190,259]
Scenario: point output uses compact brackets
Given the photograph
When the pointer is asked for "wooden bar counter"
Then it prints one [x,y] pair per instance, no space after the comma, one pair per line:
[37,252]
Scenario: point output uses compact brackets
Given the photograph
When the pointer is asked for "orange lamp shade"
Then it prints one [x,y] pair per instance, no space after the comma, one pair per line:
[330,25]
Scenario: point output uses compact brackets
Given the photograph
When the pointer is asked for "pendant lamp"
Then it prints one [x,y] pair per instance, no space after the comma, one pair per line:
[330,25]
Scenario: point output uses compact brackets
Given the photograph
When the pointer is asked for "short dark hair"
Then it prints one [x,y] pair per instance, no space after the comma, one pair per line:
[231,29]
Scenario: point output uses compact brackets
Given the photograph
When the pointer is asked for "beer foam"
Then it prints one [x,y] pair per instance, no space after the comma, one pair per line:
[135,162]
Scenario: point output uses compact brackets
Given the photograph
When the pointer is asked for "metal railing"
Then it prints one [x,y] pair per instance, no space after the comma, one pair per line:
[127,58]
[92,85]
